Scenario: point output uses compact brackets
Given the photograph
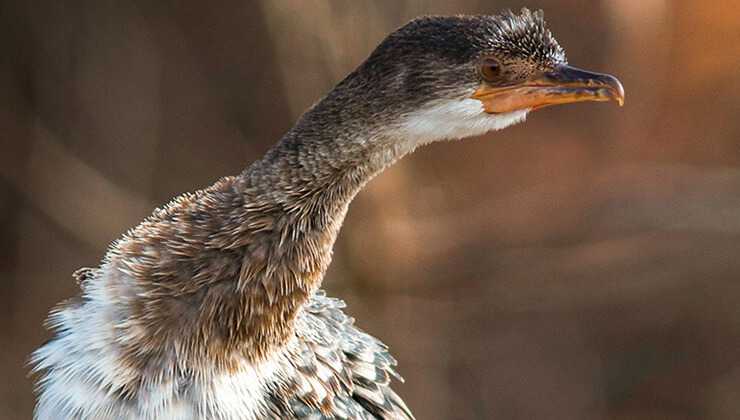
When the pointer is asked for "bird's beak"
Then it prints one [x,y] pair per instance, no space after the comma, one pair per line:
[563,85]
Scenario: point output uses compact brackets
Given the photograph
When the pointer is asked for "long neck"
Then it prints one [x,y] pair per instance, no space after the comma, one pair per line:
[302,188]
[295,200]
[222,274]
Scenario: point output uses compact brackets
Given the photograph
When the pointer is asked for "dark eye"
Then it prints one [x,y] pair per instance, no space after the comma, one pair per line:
[490,69]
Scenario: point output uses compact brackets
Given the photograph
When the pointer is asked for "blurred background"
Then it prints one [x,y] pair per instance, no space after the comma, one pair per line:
[583,265]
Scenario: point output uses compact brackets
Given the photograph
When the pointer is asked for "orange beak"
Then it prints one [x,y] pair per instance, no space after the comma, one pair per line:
[563,85]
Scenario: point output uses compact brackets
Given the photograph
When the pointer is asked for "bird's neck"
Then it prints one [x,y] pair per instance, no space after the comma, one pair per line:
[295,199]
[222,274]
[318,167]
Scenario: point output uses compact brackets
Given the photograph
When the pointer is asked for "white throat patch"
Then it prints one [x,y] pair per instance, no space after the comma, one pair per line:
[450,120]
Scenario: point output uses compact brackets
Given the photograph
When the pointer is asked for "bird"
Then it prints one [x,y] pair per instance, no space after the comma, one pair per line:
[212,307]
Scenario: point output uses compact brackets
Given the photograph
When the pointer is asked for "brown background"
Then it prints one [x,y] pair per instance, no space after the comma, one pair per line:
[584,265]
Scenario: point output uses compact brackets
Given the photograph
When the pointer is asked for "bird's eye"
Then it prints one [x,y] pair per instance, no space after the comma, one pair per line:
[490,69]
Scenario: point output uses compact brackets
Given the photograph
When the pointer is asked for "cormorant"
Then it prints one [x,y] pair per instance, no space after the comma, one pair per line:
[211,308]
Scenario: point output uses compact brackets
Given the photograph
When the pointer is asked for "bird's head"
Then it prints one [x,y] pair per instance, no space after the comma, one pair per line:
[459,76]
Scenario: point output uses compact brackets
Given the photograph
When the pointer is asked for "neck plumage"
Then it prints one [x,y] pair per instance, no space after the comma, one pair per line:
[222,274]
[295,200]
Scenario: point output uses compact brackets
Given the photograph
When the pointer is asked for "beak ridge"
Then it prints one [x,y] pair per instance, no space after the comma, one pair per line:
[568,76]
[562,85]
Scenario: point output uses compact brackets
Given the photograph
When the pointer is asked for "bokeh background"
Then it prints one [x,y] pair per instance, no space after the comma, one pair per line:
[583,265]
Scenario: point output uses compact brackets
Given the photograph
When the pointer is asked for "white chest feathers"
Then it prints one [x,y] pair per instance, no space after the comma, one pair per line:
[83,377]
[84,387]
